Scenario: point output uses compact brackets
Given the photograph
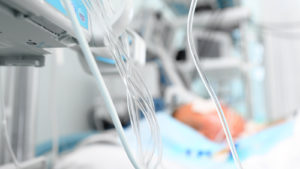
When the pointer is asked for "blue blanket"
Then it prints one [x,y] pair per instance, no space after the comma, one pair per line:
[185,145]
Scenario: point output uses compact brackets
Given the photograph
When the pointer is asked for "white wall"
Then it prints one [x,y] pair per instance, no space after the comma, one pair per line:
[282,56]
[73,91]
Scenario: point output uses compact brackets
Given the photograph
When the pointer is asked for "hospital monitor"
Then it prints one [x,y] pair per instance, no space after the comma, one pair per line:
[28,27]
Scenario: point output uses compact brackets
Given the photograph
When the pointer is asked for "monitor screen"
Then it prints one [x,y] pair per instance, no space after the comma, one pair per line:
[208,48]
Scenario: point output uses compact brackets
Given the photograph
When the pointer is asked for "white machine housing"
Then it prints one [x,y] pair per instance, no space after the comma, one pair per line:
[28,27]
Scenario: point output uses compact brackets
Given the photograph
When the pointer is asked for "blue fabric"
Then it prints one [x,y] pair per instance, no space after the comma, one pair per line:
[264,140]
[185,145]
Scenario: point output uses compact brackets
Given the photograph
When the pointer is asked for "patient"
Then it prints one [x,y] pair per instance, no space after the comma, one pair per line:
[203,117]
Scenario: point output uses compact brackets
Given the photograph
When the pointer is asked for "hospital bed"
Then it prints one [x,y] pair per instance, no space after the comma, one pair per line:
[186,148]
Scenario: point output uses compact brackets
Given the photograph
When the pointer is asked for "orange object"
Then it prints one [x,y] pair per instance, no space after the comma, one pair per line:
[208,122]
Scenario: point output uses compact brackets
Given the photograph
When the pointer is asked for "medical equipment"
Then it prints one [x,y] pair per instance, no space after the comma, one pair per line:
[214,51]
[137,102]
[138,96]
[47,26]
[226,69]
[24,34]
[101,119]
[208,86]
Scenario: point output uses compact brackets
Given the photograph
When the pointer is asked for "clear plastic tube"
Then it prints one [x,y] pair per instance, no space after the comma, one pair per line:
[138,96]
[142,101]
[207,85]
[100,81]
[145,104]
[5,130]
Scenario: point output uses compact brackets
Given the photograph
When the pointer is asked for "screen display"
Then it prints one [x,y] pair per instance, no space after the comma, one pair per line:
[208,48]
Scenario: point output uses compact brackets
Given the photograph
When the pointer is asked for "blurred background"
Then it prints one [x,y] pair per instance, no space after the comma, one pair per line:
[248,49]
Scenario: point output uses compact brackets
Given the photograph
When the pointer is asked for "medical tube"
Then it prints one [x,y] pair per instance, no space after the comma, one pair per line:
[139,98]
[142,100]
[99,79]
[207,85]
[5,130]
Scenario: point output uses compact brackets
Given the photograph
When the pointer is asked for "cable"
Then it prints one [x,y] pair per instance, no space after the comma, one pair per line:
[5,130]
[99,79]
[208,86]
